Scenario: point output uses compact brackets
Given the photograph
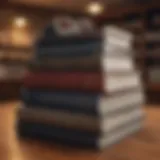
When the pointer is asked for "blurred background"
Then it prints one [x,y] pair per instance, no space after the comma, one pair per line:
[21,21]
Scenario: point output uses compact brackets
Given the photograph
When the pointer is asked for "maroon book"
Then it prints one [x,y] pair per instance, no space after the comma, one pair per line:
[87,81]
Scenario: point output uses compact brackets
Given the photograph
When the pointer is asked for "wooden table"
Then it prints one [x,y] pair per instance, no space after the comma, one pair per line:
[144,145]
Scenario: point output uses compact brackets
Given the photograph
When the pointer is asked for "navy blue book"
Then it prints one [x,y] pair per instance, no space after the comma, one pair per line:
[73,101]
[68,50]
[88,103]
[74,137]
[47,132]
[52,37]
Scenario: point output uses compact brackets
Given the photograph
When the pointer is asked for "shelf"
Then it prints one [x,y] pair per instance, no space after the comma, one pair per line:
[153,87]
[11,47]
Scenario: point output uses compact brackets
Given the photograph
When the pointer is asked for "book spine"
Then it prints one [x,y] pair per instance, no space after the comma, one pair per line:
[71,51]
[88,123]
[90,63]
[65,81]
[50,130]
[75,102]
[52,133]
[60,118]
[85,63]
[50,41]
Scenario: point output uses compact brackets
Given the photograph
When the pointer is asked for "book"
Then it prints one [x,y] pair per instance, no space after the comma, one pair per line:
[96,124]
[82,81]
[121,63]
[70,50]
[66,30]
[111,37]
[87,103]
[72,137]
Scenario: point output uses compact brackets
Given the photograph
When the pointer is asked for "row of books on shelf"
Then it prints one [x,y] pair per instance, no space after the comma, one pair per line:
[11,72]
[153,32]
[15,56]
[134,22]
[13,62]
[153,18]
[153,42]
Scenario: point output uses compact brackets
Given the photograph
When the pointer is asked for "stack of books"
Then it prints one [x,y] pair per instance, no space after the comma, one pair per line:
[82,87]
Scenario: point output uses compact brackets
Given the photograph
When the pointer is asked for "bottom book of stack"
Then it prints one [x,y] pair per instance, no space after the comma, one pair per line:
[78,128]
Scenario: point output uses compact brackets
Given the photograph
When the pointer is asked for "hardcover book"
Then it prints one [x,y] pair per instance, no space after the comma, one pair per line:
[87,103]
[85,63]
[73,137]
[96,124]
[87,81]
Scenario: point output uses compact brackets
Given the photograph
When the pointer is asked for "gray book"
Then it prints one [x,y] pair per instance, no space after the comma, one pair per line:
[100,124]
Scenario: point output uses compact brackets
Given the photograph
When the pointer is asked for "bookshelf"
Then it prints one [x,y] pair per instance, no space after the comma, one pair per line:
[13,66]
[144,22]
[152,35]
[139,19]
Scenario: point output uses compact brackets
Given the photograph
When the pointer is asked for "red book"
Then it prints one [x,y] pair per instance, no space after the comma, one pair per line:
[82,81]
[87,81]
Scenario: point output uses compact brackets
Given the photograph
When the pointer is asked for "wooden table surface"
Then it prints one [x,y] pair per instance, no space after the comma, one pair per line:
[144,145]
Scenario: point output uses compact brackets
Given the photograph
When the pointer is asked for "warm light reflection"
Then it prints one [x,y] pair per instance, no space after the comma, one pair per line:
[20,22]
[95,8]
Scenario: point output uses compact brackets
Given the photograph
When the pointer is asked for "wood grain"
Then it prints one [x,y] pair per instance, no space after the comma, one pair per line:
[144,145]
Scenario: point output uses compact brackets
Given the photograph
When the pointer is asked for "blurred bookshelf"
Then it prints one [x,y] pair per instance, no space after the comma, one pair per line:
[13,66]
[142,20]
[152,35]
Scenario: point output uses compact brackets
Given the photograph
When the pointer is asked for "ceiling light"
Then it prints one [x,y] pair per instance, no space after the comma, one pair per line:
[20,22]
[95,8]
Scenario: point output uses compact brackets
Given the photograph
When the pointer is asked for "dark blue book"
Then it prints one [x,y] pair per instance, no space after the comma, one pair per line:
[88,103]
[68,50]
[52,38]
[48,132]
[74,137]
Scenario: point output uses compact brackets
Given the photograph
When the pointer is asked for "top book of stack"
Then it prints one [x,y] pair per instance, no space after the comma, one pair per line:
[76,44]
